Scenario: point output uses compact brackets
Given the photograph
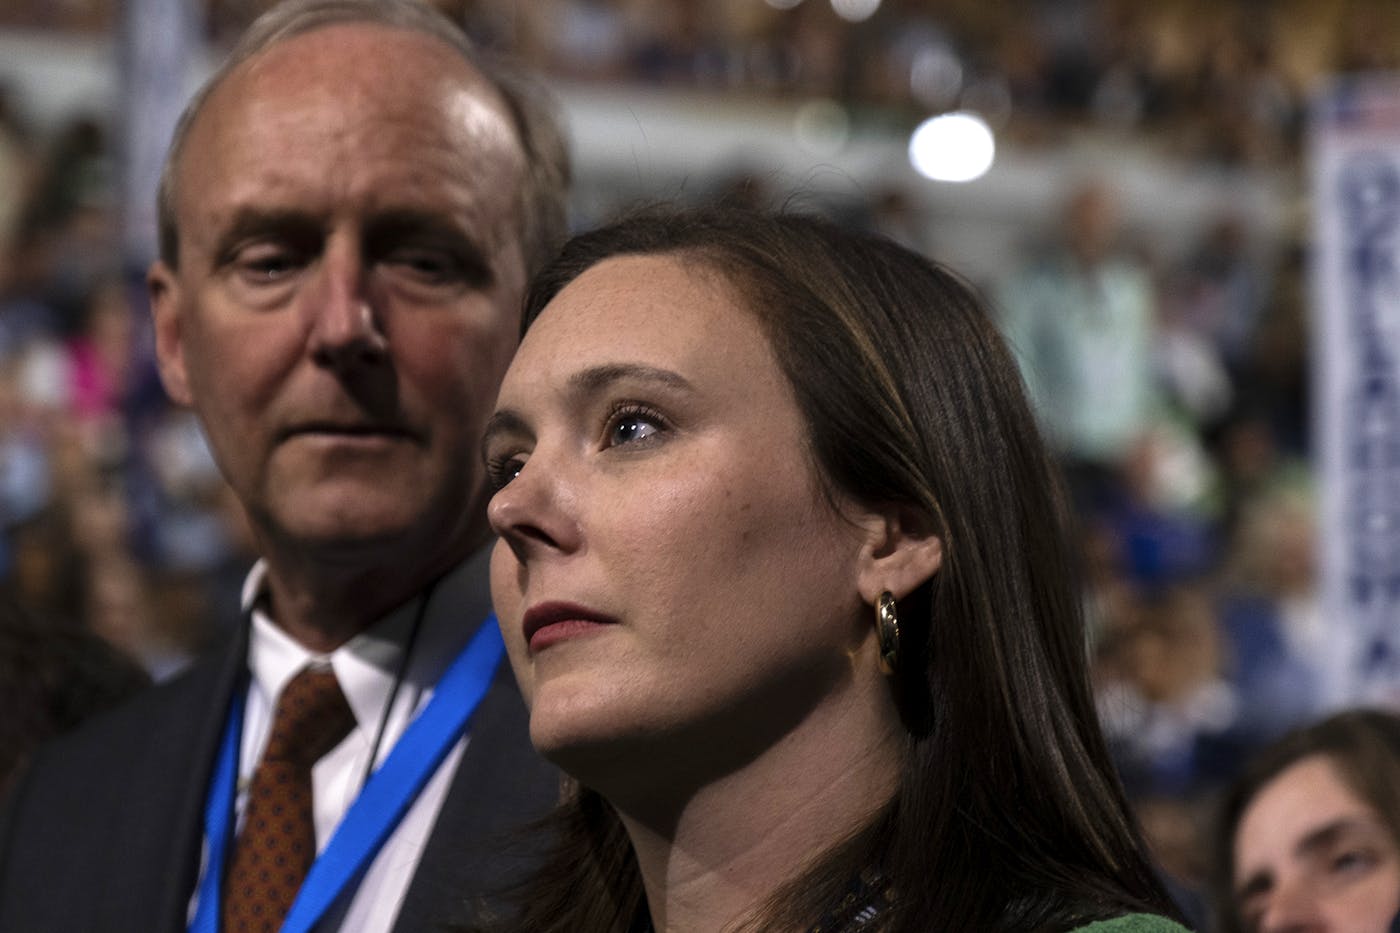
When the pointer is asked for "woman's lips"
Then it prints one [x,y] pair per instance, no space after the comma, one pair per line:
[546,624]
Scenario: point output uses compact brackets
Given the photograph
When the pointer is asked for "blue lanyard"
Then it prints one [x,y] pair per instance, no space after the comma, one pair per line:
[379,806]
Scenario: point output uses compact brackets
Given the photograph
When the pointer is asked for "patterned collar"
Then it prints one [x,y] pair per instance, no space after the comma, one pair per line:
[867,898]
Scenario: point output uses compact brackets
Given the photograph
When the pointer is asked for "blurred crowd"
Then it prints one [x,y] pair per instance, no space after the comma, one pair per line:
[112,515]
[1177,398]
[1218,82]
[1176,391]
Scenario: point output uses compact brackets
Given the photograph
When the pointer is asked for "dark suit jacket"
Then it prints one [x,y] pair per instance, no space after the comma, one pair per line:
[104,831]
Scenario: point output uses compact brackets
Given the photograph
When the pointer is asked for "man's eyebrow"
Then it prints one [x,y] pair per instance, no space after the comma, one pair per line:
[252,221]
[415,220]
[393,227]
[599,377]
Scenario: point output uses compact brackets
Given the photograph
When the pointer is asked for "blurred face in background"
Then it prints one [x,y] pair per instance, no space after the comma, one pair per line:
[1310,855]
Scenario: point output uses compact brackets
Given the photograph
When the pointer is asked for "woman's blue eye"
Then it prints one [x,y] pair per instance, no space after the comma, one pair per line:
[632,429]
[630,424]
[1353,861]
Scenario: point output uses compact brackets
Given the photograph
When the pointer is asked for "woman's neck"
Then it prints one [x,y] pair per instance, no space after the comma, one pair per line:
[711,859]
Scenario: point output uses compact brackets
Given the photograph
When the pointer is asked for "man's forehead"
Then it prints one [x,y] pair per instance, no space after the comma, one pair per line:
[360,59]
[380,92]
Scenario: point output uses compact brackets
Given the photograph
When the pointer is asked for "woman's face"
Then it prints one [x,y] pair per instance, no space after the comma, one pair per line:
[670,579]
[1311,856]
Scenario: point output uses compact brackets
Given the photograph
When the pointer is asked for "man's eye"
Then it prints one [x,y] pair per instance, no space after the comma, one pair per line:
[428,266]
[263,264]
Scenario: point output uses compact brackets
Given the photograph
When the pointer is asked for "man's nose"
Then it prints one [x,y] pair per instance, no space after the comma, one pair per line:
[346,326]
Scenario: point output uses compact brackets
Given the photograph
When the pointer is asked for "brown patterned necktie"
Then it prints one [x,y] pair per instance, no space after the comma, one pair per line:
[278,841]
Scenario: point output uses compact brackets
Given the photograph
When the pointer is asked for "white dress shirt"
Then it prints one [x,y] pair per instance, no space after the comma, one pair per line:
[368,668]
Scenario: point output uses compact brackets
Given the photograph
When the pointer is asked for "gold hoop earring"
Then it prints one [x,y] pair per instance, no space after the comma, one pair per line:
[887,629]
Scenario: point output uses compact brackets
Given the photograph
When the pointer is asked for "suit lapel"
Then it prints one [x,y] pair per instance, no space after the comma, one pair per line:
[476,848]
[194,744]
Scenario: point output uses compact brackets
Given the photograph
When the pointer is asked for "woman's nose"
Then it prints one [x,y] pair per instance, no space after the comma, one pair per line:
[1293,908]
[536,512]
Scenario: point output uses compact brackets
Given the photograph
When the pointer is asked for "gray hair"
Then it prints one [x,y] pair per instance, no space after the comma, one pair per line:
[544,187]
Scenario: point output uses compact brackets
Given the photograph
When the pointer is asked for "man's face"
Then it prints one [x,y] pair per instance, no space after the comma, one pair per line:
[348,290]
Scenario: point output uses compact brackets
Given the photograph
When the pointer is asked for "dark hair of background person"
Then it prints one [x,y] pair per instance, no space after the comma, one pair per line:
[542,210]
[53,676]
[1362,745]
[1008,814]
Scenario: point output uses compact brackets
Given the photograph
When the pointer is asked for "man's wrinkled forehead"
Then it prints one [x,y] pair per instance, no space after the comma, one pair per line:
[350,59]
[371,76]
[366,59]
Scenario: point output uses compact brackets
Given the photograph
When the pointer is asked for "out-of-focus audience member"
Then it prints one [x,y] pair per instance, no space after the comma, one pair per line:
[1168,712]
[1285,657]
[1080,318]
[16,168]
[1308,837]
[52,677]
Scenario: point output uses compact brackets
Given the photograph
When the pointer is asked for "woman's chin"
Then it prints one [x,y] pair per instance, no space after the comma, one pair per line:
[622,763]
[597,760]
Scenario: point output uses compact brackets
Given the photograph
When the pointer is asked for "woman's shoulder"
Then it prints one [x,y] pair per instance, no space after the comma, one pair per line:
[1133,923]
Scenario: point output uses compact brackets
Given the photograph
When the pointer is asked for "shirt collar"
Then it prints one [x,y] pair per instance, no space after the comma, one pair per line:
[368,665]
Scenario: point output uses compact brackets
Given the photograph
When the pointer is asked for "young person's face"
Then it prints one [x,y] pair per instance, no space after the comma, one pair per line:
[345,300]
[675,588]
[1311,856]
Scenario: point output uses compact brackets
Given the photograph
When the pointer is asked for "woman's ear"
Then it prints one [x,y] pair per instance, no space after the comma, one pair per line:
[901,552]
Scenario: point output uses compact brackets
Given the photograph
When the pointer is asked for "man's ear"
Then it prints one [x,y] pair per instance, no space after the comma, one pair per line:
[901,552]
[162,284]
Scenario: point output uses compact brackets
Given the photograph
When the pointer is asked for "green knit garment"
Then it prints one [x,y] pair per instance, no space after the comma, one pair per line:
[1133,923]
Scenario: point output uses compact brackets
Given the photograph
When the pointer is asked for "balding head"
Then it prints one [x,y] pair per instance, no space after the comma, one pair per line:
[543,187]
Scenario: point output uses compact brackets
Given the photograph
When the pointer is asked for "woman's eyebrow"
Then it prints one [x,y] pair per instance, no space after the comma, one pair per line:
[598,377]
[1257,883]
[504,421]
[1327,835]
[586,382]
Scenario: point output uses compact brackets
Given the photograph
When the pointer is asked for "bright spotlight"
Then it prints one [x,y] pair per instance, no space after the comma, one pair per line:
[952,147]
[854,11]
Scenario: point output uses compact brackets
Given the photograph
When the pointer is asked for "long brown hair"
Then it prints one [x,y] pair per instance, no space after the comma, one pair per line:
[1008,814]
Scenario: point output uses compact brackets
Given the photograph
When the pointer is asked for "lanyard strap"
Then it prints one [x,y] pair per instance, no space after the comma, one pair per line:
[380,805]
[218,819]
